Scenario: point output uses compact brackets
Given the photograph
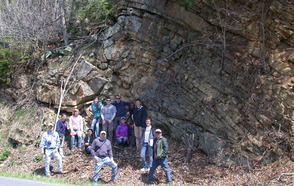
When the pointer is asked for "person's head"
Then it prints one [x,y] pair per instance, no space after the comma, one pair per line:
[102,135]
[63,117]
[95,100]
[148,122]
[89,132]
[108,101]
[50,126]
[75,112]
[132,105]
[138,103]
[158,133]
[117,98]
[123,120]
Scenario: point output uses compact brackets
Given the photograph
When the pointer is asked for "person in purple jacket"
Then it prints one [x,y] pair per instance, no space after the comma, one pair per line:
[122,132]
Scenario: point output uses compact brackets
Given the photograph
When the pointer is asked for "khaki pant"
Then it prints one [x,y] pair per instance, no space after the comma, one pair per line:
[138,135]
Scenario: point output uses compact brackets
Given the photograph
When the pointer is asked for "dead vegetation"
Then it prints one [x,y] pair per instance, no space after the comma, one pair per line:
[201,170]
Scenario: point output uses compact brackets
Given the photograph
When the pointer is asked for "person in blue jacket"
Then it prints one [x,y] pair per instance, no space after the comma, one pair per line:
[96,111]
[88,141]
[61,129]
[120,110]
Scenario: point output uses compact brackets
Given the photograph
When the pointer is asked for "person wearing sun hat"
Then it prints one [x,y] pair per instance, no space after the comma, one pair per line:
[49,147]
[160,148]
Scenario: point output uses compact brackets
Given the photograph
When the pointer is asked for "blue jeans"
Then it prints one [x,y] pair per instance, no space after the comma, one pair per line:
[146,148]
[56,155]
[99,165]
[72,140]
[121,141]
[95,126]
[164,165]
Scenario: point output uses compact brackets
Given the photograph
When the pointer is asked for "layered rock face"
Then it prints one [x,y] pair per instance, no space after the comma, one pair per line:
[220,69]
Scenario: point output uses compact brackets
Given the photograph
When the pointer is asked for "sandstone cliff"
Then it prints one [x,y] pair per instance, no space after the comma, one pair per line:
[220,69]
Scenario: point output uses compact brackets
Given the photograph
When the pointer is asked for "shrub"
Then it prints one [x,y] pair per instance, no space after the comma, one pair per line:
[4,155]
[8,57]
[38,158]
[95,11]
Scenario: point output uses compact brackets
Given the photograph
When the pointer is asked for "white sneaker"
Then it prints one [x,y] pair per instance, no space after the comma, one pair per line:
[143,170]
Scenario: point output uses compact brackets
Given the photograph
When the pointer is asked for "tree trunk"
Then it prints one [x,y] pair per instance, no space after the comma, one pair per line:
[63,21]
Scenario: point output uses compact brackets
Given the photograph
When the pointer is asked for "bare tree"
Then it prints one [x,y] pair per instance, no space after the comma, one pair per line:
[64,88]
[32,21]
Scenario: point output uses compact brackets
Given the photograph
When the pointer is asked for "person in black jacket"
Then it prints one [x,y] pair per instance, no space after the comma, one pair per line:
[88,140]
[140,116]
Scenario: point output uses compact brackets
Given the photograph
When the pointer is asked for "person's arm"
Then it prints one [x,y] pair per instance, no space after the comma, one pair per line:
[57,140]
[151,136]
[82,124]
[102,117]
[70,124]
[100,105]
[94,109]
[114,113]
[117,132]
[164,146]
[93,147]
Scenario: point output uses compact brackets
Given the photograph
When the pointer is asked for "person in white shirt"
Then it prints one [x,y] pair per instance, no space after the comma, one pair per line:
[147,143]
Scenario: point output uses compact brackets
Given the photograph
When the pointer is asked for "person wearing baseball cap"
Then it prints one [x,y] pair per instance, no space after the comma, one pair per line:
[49,144]
[101,149]
[160,148]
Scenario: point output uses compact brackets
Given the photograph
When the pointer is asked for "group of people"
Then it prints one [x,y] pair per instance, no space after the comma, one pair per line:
[121,126]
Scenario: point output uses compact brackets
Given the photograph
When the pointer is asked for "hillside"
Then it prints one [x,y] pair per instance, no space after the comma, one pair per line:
[215,76]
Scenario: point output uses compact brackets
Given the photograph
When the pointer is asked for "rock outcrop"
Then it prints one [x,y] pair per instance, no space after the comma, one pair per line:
[220,69]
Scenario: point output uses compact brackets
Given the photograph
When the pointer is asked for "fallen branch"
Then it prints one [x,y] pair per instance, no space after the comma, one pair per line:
[285,174]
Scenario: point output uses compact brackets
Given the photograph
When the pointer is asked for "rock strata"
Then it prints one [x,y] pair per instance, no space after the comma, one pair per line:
[214,69]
